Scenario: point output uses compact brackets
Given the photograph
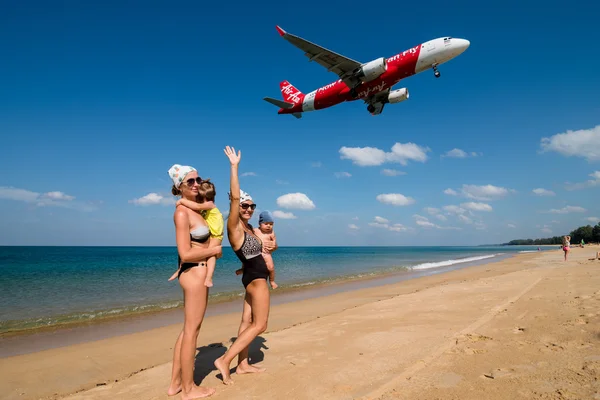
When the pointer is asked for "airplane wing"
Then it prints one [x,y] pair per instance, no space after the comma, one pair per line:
[341,65]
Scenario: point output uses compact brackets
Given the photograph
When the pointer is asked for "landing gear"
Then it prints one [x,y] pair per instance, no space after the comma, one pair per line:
[353,93]
[370,108]
[436,73]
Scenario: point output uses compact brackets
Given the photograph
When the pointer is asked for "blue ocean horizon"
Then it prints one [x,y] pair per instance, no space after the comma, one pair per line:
[45,286]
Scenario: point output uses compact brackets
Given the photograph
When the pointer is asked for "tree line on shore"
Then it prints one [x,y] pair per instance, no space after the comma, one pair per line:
[588,233]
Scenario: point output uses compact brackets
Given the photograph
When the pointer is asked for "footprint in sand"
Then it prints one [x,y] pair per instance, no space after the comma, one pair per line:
[477,338]
[552,347]
[518,329]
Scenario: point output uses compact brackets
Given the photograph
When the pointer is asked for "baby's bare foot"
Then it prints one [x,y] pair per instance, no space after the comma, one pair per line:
[274,285]
[248,369]
[198,392]
[173,276]
[238,271]
[224,370]
[208,282]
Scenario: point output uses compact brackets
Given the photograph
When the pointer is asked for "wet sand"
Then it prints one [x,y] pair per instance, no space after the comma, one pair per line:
[525,327]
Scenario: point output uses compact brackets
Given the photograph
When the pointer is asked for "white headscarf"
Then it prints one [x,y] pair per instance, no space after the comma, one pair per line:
[243,196]
[178,172]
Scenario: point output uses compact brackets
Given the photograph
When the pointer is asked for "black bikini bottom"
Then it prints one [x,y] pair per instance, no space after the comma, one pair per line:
[186,266]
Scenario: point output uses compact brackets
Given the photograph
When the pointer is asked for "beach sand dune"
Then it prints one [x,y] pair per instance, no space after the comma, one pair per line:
[527,327]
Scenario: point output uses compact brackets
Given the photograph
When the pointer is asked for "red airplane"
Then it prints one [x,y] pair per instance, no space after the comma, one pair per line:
[370,82]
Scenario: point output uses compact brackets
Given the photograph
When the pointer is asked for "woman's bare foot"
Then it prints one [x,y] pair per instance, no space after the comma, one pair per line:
[208,282]
[274,285]
[174,388]
[224,370]
[198,392]
[248,369]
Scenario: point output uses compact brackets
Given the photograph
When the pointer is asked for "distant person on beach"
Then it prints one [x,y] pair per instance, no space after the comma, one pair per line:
[205,205]
[192,235]
[248,247]
[566,246]
[265,233]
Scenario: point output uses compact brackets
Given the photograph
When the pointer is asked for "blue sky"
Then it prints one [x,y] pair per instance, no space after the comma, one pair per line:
[98,100]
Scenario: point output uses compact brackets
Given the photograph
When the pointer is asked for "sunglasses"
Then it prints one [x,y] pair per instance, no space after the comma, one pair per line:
[190,182]
[248,206]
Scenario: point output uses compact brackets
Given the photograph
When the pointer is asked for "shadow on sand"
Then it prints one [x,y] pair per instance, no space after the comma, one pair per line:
[207,355]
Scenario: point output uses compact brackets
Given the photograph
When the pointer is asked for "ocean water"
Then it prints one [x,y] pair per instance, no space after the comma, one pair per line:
[47,286]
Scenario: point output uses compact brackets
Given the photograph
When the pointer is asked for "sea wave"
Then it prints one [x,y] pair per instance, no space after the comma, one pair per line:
[447,263]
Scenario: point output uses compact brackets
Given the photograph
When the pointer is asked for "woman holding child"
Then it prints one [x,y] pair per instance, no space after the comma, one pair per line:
[192,235]
[248,247]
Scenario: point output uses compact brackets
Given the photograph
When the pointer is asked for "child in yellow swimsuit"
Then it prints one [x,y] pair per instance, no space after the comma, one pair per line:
[214,219]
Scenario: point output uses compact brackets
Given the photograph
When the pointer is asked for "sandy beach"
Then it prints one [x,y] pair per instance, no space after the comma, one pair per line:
[527,327]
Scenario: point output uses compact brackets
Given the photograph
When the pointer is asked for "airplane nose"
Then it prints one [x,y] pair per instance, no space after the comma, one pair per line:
[462,44]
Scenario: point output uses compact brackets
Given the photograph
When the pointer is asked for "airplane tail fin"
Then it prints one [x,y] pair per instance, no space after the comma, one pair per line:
[290,93]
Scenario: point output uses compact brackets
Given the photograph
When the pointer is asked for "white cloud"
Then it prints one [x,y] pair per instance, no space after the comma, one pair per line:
[392,172]
[583,143]
[298,201]
[397,228]
[477,206]
[48,199]
[424,222]
[452,209]
[355,218]
[465,219]
[395,199]
[153,199]
[459,153]
[511,225]
[543,192]
[283,215]
[595,181]
[11,193]
[352,226]
[383,223]
[400,153]
[593,219]
[567,210]
[432,210]
[484,192]
[441,217]
[450,192]
[381,220]
[456,153]
[249,174]
[342,175]
[58,196]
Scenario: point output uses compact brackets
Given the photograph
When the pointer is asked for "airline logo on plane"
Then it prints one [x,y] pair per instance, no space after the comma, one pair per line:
[291,93]
[372,90]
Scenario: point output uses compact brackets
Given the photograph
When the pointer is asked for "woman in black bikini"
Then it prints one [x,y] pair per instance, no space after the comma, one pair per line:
[192,234]
[248,248]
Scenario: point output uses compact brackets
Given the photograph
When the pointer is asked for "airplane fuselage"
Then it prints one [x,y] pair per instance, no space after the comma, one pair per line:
[400,66]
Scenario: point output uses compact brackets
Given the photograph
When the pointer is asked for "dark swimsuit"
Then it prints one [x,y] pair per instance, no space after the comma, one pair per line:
[198,235]
[250,254]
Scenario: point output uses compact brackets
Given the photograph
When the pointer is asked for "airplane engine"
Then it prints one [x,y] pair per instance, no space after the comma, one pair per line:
[396,96]
[372,70]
